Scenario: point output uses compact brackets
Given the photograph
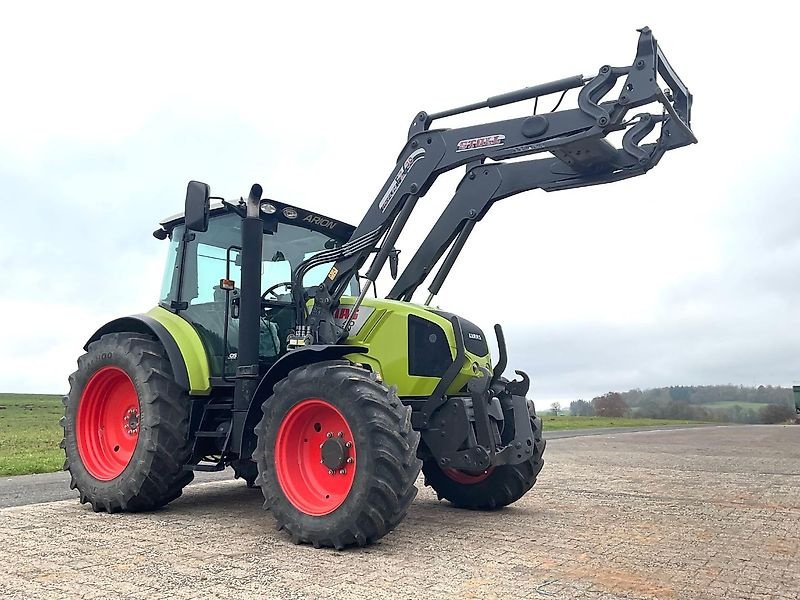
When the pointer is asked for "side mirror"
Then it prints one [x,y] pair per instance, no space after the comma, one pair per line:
[394,261]
[197,206]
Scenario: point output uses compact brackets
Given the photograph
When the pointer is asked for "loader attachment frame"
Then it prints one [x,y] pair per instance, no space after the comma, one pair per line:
[574,137]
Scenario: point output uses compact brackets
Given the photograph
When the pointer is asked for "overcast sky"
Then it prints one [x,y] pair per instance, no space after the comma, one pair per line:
[687,275]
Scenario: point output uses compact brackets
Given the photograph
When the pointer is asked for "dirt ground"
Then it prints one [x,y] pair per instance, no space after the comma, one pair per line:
[696,513]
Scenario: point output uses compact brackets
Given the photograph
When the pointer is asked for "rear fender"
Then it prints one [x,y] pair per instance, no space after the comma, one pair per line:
[149,326]
[183,346]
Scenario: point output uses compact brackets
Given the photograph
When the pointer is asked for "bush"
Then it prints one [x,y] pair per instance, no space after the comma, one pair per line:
[609,405]
[776,413]
[581,408]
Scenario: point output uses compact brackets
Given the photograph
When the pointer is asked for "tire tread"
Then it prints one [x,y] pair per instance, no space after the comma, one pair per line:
[388,424]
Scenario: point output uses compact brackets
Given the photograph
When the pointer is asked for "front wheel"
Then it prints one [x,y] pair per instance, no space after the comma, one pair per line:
[336,456]
[493,488]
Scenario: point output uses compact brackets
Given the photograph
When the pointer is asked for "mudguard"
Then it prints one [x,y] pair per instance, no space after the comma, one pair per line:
[286,363]
[297,358]
[183,346]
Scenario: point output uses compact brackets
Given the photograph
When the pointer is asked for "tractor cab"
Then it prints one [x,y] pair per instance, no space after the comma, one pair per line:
[202,277]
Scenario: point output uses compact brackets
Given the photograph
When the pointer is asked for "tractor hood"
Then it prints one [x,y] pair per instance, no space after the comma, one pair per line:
[412,345]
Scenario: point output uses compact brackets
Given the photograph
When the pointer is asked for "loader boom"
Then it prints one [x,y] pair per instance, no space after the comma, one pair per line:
[574,137]
[482,186]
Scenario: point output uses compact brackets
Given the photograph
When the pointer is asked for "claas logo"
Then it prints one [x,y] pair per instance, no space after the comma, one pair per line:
[343,312]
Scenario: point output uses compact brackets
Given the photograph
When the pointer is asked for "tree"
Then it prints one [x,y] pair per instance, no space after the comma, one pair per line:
[581,408]
[609,405]
[680,393]
[775,413]
[555,408]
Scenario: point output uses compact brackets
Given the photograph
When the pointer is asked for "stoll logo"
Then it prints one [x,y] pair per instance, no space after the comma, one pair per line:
[474,336]
[487,141]
[401,175]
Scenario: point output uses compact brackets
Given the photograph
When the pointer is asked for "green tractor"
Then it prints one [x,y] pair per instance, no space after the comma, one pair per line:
[266,354]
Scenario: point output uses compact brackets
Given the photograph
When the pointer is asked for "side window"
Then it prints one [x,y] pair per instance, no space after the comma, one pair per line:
[211,263]
[170,281]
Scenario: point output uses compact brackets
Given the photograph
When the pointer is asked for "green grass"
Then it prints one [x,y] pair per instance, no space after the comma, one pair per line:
[731,404]
[552,423]
[30,434]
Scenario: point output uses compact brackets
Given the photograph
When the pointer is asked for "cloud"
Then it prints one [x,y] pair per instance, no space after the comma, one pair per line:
[684,275]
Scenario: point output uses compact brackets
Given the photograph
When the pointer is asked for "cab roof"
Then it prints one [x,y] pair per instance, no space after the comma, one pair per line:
[282,213]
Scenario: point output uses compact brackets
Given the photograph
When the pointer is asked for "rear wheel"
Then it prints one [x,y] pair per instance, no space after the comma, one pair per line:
[496,486]
[336,455]
[125,426]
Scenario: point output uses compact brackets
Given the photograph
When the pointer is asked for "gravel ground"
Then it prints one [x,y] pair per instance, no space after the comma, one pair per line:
[695,513]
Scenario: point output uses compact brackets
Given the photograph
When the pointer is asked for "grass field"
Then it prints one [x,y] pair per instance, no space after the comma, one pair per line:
[29,434]
[29,431]
[552,423]
[726,405]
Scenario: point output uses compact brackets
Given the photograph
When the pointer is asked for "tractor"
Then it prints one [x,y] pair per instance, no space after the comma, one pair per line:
[265,353]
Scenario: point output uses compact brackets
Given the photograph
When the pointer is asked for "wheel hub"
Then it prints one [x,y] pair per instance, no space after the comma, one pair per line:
[334,453]
[131,421]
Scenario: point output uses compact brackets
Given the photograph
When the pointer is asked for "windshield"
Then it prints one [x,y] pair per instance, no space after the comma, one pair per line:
[206,258]
[290,245]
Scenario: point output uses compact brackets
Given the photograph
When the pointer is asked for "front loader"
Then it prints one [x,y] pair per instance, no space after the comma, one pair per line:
[266,354]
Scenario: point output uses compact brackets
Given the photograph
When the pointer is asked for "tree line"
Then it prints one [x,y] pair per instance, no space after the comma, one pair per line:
[701,403]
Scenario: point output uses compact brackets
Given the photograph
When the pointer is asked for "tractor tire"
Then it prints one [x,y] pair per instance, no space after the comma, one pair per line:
[245,469]
[494,488]
[337,457]
[126,425]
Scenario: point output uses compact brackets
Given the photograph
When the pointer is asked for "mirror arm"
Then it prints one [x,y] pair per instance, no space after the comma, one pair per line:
[234,208]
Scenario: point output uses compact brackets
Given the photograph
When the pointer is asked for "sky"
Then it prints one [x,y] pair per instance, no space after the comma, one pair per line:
[685,276]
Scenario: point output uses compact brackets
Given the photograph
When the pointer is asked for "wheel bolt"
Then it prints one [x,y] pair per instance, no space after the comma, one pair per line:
[343,472]
[349,460]
[340,434]
[320,446]
[348,444]
[330,471]
[322,462]
[329,434]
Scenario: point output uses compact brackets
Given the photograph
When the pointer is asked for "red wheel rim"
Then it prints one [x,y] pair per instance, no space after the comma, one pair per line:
[107,427]
[315,457]
[466,477]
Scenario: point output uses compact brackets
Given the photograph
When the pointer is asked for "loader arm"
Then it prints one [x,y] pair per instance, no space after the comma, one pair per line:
[482,186]
[575,137]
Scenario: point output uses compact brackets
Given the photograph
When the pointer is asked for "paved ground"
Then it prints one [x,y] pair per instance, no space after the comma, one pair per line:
[683,514]
[50,487]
